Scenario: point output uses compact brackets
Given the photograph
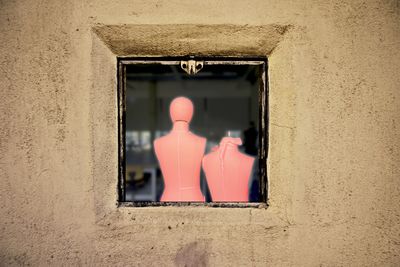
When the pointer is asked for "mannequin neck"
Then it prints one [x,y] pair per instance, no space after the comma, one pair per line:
[230,144]
[181,126]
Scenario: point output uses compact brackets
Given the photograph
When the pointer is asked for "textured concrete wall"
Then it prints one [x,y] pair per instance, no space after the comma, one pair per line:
[334,163]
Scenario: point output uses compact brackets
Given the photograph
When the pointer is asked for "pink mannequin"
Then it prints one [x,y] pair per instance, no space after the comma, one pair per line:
[179,154]
[228,171]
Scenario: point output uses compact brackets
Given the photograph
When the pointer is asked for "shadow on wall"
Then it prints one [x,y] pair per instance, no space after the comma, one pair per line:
[193,254]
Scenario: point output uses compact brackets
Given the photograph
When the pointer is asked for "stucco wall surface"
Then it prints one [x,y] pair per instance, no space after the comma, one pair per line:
[334,156]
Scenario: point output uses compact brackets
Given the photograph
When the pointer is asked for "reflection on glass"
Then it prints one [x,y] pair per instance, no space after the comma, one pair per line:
[226,104]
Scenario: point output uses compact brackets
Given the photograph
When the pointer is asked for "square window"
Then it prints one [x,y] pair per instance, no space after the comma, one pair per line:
[216,154]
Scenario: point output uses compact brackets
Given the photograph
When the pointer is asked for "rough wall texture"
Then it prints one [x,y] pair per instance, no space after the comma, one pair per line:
[334,162]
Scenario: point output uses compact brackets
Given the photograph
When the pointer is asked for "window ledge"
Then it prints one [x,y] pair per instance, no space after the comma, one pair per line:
[258,205]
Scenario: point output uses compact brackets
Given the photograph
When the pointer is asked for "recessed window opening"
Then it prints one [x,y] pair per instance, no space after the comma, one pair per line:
[192,130]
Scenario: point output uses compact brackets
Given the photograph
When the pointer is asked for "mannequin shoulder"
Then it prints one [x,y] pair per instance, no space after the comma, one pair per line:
[160,141]
[199,139]
[248,159]
[210,157]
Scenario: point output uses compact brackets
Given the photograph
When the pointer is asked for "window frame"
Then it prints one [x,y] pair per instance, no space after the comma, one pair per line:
[263,124]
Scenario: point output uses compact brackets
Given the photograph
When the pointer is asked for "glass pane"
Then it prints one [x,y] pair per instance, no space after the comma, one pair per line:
[225,101]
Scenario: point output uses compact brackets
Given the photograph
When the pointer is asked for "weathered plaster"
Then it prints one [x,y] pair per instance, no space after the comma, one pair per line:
[334,149]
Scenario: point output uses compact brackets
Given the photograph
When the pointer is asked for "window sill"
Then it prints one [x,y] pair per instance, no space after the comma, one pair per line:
[258,205]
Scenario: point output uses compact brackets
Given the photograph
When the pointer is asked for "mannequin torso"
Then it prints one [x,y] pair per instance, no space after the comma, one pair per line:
[179,154]
[228,173]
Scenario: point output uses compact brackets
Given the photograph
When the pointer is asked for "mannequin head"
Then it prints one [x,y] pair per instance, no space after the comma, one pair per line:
[181,109]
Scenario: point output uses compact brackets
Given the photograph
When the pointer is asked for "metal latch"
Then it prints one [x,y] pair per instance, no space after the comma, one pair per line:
[192,66]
